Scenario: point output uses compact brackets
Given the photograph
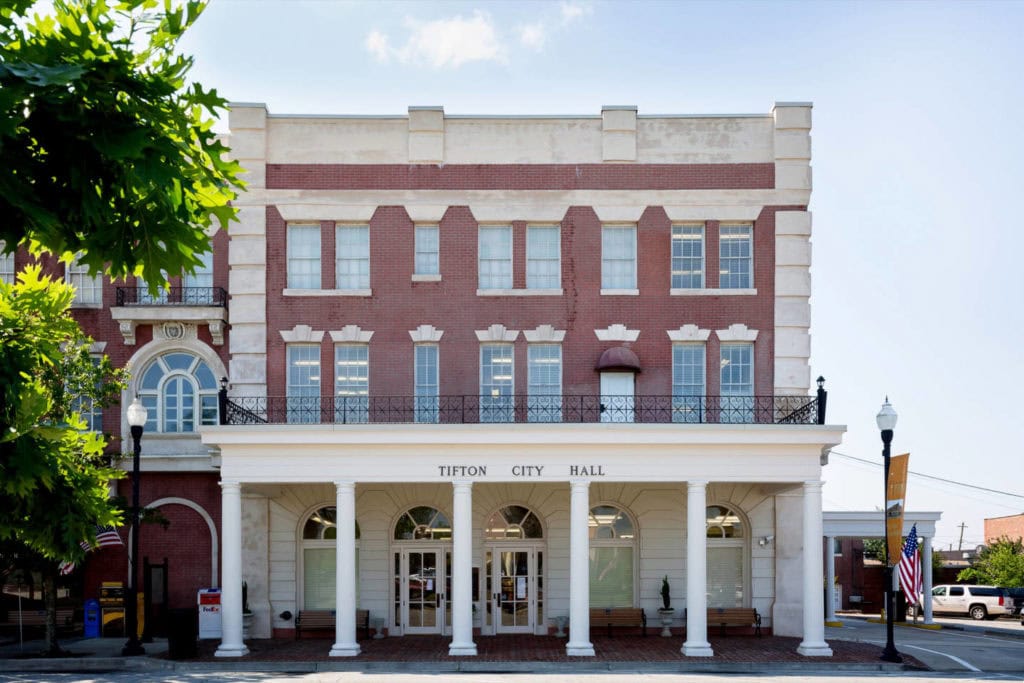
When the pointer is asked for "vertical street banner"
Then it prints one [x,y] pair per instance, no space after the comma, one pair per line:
[895,497]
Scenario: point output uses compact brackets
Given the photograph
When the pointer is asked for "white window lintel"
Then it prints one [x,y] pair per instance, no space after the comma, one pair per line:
[351,334]
[497,333]
[302,333]
[737,332]
[426,333]
[544,333]
[617,332]
[689,333]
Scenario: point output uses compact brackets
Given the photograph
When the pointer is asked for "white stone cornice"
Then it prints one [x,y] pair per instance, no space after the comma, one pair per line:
[544,333]
[689,333]
[426,333]
[497,333]
[617,332]
[351,334]
[736,333]
[302,333]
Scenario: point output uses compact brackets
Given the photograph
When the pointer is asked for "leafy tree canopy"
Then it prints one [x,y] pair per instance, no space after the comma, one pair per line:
[1000,563]
[107,150]
[53,474]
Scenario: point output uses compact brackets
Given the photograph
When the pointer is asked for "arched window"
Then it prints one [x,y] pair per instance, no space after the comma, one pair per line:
[179,391]
[320,560]
[726,566]
[423,523]
[612,552]
[513,522]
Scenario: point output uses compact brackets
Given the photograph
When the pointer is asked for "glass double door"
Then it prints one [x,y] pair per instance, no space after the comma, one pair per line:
[516,588]
[423,579]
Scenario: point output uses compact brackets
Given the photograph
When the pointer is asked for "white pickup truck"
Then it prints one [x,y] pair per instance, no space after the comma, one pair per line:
[978,602]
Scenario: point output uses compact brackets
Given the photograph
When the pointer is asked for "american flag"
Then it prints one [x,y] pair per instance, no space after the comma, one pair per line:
[910,568]
[105,536]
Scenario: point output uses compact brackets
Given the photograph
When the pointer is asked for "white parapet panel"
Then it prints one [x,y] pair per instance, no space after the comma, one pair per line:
[792,342]
[793,223]
[792,376]
[247,250]
[792,311]
[792,281]
[792,250]
[248,338]
[247,280]
[252,220]
[243,115]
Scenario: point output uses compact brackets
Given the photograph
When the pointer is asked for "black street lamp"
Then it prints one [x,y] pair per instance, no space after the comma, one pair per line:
[886,420]
[136,420]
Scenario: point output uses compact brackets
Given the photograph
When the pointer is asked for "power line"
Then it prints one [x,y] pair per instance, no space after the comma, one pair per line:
[934,478]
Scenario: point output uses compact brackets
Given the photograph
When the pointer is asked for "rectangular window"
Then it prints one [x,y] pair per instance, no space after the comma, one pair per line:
[688,386]
[496,383]
[88,288]
[735,256]
[544,378]
[687,256]
[303,383]
[88,409]
[495,257]
[199,285]
[428,248]
[618,257]
[737,362]
[351,383]
[426,389]
[611,576]
[543,257]
[6,265]
[304,256]
[352,256]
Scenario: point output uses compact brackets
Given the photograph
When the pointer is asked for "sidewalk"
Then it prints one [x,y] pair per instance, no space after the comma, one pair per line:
[429,654]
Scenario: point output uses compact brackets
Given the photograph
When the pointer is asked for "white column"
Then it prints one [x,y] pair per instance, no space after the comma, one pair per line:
[830,579]
[814,644]
[926,578]
[462,570]
[696,644]
[231,644]
[579,644]
[345,644]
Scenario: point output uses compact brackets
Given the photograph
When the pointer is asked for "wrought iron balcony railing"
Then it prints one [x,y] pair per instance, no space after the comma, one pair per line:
[523,409]
[174,296]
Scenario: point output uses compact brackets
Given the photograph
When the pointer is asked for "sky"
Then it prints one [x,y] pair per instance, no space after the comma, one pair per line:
[917,155]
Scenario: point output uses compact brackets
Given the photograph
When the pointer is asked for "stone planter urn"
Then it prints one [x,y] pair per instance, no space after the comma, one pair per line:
[247,618]
[666,621]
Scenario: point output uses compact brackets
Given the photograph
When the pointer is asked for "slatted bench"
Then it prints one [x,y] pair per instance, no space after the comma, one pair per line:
[734,616]
[321,619]
[618,616]
[37,619]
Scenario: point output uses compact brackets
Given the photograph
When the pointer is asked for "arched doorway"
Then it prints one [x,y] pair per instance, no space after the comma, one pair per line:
[514,570]
[319,559]
[422,572]
[727,539]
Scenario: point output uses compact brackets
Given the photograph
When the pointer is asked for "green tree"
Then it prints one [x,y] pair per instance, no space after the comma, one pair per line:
[107,151]
[1001,563]
[54,475]
[874,548]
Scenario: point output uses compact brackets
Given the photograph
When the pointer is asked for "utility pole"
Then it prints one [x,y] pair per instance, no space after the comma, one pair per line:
[960,545]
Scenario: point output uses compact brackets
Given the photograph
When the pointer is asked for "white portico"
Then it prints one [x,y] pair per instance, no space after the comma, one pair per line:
[664,477]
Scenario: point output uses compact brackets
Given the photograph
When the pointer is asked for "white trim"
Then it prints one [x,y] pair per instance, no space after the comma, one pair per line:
[351,334]
[520,292]
[737,332]
[302,334]
[496,333]
[688,333]
[426,277]
[326,292]
[617,332]
[426,334]
[711,292]
[544,334]
[620,292]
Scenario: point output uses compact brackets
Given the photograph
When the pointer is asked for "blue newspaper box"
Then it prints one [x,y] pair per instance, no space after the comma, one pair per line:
[91,629]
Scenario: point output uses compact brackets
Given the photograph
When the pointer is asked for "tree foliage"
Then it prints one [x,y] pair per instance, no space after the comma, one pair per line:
[1000,563]
[107,150]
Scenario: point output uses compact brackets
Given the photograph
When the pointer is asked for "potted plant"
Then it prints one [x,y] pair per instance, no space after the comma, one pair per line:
[666,612]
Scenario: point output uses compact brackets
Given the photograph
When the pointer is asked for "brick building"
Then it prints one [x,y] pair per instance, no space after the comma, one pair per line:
[487,373]
[1010,526]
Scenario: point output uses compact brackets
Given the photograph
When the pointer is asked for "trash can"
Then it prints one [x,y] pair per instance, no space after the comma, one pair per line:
[182,630]
[91,620]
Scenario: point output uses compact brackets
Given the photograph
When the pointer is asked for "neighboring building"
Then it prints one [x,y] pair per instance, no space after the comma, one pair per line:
[1011,526]
[487,372]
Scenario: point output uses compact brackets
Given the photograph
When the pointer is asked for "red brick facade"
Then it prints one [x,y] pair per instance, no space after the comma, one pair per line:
[1011,527]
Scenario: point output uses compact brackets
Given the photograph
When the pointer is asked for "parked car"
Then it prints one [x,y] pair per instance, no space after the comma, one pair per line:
[977,602]
[1018,601]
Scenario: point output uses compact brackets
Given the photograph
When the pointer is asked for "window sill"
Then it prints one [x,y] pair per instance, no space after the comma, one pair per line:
[620,292]
[327,292]
[86,304]
[712,292]
[426,277]
[520,292]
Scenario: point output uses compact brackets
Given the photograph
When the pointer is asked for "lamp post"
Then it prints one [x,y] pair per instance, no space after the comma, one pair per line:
[886,421]
[136,420]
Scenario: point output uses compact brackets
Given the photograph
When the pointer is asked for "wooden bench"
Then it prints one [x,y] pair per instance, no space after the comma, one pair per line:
[320,619]
[618,616]
[37,619]
[734,616]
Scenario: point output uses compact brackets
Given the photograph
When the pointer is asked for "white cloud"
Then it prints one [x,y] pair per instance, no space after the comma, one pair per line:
[533,36]
[442,43]
[571,11]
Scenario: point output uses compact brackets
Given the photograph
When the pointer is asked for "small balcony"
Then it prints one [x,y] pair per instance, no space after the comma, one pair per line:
[471,409]
[177,308]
